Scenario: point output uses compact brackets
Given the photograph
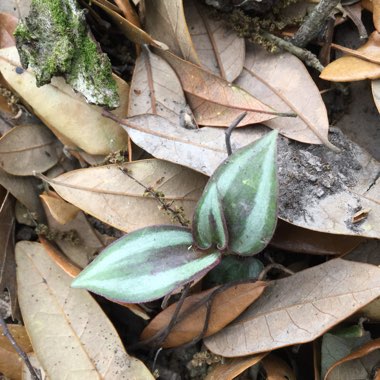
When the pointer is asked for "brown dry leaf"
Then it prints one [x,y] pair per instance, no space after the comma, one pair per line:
[219,48]
[128,12]
[61,211]
[361,352]
[277,369]
[213,100]
[349,68]
[75,329]
[155,88]
[67,114]
[131,31]
[319,189]
[276,79]
[122,201]
[10,361]
[225,307]
[301,240]
[165,21]
[79,252]
[25,190]
[28,148]
[299,308]
[375,85]
[233,367]
[7,255]
[376,14]
[8,24]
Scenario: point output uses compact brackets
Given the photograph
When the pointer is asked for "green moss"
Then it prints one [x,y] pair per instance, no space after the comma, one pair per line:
[54,40]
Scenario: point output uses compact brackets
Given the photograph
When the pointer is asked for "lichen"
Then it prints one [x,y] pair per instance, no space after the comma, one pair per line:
[54,41]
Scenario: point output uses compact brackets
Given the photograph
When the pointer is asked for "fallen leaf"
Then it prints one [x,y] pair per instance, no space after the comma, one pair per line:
[122,200]
[129,29]
[219,48]
[281,81]
[7,257]
[10,364]
[318,189]
[233,367]
[213,100]
[28,148]
[299,308]
[375,85]
[349,68]
[291,238]
[8,24]
[20,335]
[85,243]
[225,307]
[60,210]
[25,190]
[67,114]
[164,254]
[359,353]
[165,21]
[276,368]
[128,11]
[155,88]
[75,330]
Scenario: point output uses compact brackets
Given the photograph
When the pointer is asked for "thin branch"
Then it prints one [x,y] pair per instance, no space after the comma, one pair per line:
[230,129]
[268,268]
[18,349]
[314,22]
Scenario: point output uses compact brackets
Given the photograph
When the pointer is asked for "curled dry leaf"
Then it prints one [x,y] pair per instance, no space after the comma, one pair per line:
[375,85]
[84,242]
[233,367]
[277,369]
[60,210]
[319,189]
[281,81]
[348,68]
[361,352]
[25,190]
[28,148]
[166,22]
[155,88]
[8,24]
[121,198]
[224,306]
[299,308]
[67,114]
[219,48]
[301,240]
[7,239]
[76,331]
[214,101]
[128,28]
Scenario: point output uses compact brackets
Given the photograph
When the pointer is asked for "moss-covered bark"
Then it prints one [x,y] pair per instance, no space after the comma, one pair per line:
[54,40]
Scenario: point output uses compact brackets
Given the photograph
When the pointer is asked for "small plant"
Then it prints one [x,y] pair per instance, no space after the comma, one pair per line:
[236,214]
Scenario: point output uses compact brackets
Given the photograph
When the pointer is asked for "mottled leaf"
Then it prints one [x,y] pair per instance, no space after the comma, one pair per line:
[219,48]
[146,264]
[237,210]
[66,325]
[299,308]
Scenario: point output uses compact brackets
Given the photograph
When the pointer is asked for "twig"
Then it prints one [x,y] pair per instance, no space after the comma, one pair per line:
[312,26]
[18,349]
[230,129]
[304,55]
[268,268]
